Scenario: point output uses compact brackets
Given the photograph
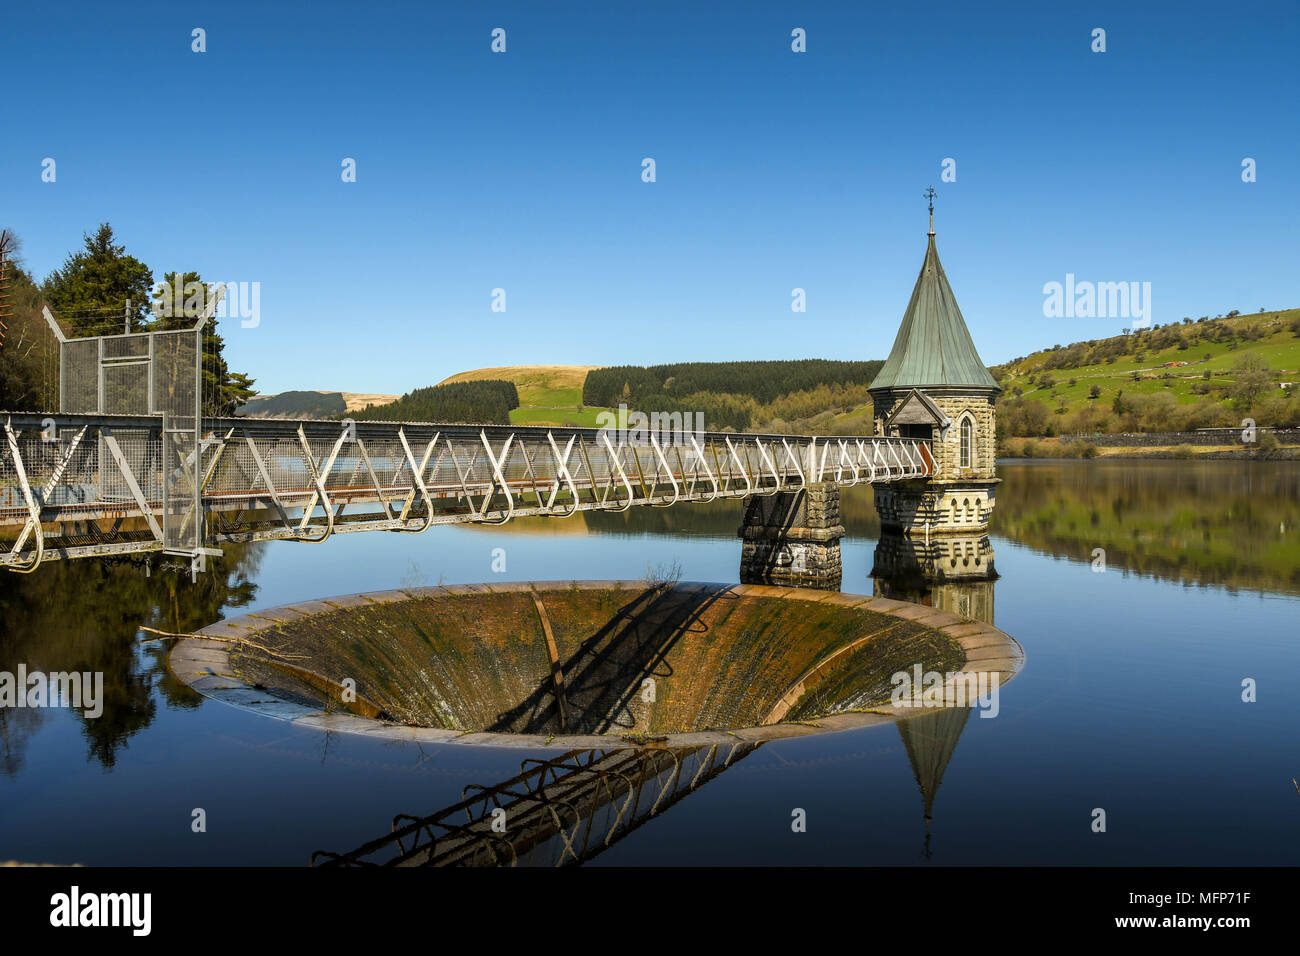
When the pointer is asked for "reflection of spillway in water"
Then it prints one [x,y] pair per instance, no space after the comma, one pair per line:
[568,810]
[588,663]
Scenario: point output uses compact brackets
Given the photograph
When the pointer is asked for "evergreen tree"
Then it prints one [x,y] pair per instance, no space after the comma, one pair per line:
[89,294]
[29,353]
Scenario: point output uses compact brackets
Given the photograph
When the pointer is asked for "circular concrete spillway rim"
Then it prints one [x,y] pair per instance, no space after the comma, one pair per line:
[203,665]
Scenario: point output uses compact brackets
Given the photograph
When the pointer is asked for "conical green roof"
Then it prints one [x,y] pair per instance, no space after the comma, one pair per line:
[933,345]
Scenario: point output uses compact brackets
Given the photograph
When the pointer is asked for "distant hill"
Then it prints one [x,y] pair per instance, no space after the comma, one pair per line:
[544,395]
[812,396]
[310,404]
[1198,373]
[548,394]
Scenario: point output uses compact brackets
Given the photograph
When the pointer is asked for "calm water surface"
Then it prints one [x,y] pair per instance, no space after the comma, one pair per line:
[1130,699]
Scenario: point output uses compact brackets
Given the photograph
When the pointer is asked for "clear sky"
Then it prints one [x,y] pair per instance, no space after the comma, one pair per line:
[775,170]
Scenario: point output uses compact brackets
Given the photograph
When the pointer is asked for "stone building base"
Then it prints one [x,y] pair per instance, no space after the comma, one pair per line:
[793,538]
[936,507]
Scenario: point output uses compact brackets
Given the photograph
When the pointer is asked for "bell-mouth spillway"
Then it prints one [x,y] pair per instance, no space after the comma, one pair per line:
[587,663]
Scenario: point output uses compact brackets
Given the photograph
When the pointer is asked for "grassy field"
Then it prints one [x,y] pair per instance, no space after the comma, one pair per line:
[548,394]
[583,417]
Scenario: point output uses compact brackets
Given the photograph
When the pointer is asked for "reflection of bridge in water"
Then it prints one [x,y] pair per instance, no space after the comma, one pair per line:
[554,813]
[568,810]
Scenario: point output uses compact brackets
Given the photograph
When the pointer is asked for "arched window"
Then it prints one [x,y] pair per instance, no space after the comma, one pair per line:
[967,442]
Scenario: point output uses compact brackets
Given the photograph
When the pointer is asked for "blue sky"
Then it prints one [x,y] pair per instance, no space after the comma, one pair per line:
[775,170]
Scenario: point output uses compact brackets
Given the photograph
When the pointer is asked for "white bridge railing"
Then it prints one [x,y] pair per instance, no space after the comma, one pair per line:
[92,485]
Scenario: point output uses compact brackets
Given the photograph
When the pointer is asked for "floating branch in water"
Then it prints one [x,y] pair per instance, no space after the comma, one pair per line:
[169,635]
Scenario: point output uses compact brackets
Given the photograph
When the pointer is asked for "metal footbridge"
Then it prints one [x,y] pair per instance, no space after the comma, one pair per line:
[96,485]
[130,464]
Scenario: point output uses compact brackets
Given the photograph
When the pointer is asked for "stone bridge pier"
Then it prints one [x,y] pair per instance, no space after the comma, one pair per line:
[792,538]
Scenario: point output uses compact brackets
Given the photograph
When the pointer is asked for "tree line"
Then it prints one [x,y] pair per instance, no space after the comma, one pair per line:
[486,402]
[733,395]
[761,381]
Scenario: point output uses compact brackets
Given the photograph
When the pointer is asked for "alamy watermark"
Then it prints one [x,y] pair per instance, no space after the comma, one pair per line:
[953,689]
[1098,300]
[637,428]
[242,300]
[82,690]
[74,909]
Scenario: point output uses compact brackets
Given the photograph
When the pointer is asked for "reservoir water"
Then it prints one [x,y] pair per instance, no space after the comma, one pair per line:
[1146,595]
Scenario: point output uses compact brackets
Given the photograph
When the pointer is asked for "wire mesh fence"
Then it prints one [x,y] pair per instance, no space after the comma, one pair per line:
[156,373]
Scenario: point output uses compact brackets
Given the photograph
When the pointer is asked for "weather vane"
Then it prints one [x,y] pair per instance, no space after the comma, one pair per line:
[930,194]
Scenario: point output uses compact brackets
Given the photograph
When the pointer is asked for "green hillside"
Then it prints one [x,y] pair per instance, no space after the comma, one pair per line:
[809,396]
[548,394]
[814,396]
[1198,373]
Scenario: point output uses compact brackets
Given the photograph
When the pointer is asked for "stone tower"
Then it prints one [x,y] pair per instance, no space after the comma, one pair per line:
[934,385]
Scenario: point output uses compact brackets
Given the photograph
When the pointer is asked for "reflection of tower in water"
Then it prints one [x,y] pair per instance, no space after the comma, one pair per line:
[953,573]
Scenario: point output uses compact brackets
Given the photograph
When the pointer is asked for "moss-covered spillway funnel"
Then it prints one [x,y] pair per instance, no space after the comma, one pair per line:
[579,663]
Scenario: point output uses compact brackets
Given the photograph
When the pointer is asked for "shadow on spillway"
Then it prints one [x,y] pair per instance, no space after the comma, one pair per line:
[610,669]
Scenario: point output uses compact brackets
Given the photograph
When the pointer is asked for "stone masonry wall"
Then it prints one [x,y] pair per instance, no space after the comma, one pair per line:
[793,538]
[1204,436]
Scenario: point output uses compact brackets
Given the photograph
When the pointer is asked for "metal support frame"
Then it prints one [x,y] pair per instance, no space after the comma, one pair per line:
[417,475]
[33,512]
[146,511]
